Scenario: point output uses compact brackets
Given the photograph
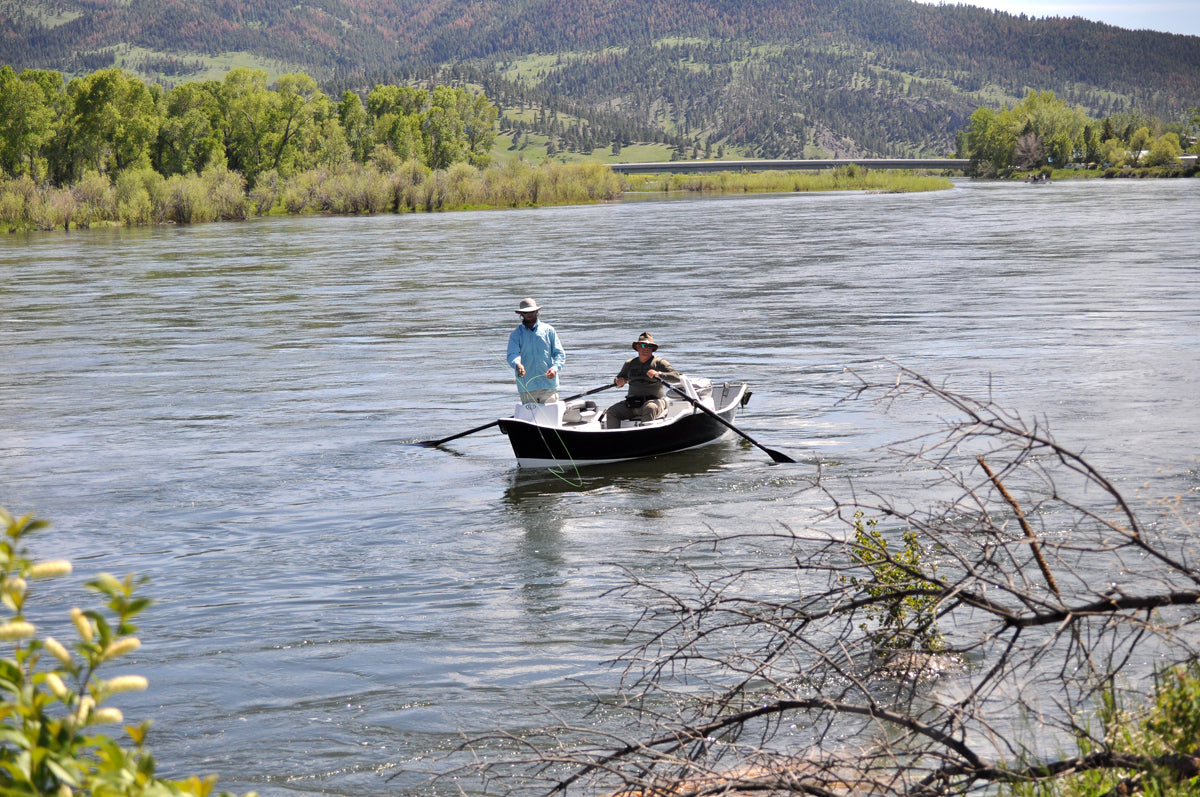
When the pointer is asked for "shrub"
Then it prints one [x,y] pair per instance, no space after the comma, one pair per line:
[409,184]
[54,705]
[266,192]
[186,201]
[901,587]
[17,198]
[95,201]
[141,197]
[227,192]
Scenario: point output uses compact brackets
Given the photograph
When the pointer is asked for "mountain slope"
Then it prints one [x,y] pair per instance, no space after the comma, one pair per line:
[774,77]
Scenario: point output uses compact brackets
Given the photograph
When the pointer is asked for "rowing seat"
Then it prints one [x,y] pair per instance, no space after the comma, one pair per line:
[582,412]
[541,414]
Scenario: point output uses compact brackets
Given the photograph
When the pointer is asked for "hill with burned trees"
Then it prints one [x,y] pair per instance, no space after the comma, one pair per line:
[772,78]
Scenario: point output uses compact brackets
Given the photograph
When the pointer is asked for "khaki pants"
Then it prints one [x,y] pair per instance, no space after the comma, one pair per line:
[546,396]
[618,412]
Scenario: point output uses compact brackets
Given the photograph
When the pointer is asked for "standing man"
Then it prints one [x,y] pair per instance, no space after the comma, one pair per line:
[536,355]
[646,399]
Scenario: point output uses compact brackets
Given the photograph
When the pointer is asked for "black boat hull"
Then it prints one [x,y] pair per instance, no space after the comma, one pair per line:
[541,446]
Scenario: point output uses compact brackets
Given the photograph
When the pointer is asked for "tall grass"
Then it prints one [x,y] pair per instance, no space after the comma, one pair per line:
[1156,731]
[385,185]
[136,197]
[842,178]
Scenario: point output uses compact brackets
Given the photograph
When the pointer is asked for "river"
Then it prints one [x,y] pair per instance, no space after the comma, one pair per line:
[229,409]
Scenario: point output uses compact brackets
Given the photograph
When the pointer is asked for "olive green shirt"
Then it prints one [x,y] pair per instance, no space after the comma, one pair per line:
[634,373]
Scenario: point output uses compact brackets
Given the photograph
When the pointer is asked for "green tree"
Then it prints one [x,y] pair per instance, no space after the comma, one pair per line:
[356,126]
[1088,146]
[1044,122]
[442,130]
[1164,150]
[1054,123]
[191,133]
[1137,144]
[1114,152]
[478,116]
[990,141]
[29,112]
[114,122]
[246,110]
[300,132]
[396,115]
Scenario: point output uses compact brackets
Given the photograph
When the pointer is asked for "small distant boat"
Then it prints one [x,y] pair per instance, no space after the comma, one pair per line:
[572,433]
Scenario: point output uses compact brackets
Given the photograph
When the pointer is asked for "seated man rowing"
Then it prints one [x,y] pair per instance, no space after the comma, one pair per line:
[646,399]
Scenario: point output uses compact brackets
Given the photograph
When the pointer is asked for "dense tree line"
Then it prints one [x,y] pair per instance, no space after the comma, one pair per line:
[1043,131]
[109,122]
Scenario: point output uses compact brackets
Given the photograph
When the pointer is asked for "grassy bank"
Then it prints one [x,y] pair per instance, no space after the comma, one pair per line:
[842,178]
[144,197]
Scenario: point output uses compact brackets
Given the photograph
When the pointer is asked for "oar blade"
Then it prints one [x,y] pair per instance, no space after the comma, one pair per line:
[779,457]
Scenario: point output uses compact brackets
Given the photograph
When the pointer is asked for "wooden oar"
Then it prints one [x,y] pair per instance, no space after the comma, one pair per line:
[775,455]
[434,443]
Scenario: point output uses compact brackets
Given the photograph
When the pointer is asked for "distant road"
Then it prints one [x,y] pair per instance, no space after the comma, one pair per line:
[958,164]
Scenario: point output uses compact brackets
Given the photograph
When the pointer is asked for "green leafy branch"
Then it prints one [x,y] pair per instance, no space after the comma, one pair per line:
[53,708]
[902,586]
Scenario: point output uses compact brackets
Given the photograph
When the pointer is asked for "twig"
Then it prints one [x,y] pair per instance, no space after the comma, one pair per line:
[1033,545]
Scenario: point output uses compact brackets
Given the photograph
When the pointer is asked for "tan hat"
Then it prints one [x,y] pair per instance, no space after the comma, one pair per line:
[645,337]
[528,306]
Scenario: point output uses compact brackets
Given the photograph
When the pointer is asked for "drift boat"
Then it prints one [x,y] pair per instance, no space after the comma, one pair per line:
[566,433]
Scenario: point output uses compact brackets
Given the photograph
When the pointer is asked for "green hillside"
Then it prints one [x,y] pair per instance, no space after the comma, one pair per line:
[769,78]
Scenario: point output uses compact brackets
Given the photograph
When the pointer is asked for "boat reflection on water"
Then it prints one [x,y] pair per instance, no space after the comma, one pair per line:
[557,511]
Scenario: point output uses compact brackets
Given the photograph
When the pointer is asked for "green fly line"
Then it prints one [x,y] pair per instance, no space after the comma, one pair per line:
[557,471]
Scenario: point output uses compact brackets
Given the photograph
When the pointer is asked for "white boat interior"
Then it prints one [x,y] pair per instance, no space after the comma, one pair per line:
[584,414]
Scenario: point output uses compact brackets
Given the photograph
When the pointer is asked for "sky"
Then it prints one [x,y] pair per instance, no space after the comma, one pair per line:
[1169,16]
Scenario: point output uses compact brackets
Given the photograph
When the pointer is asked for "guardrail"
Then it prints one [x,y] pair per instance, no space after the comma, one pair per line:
[953,164]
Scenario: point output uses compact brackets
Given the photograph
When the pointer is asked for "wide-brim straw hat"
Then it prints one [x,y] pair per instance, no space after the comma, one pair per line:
[528,306]
[645,337]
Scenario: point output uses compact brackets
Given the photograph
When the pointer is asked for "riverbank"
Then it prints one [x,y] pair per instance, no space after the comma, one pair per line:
[850,177]
[1109,172]
[143,197]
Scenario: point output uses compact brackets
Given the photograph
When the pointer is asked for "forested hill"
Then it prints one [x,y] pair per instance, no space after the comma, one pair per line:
[774,77]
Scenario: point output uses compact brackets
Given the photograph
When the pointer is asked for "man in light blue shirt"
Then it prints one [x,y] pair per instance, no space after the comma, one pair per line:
[536,356]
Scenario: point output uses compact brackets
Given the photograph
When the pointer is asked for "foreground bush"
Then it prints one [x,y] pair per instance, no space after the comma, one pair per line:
[1008,625]
[56,697]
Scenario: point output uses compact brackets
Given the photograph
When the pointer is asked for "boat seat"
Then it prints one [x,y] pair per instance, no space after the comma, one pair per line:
[633,423]
[698,388]
[582,412]
[541,414]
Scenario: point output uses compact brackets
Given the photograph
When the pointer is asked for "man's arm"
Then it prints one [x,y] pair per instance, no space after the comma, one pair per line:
[558,357]
[514,352]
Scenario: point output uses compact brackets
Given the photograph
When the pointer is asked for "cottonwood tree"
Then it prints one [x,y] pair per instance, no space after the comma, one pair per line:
[113,123]
[977,633]
[28,119]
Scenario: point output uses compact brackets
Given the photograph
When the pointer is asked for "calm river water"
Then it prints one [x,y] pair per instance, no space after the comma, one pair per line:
[228,408]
